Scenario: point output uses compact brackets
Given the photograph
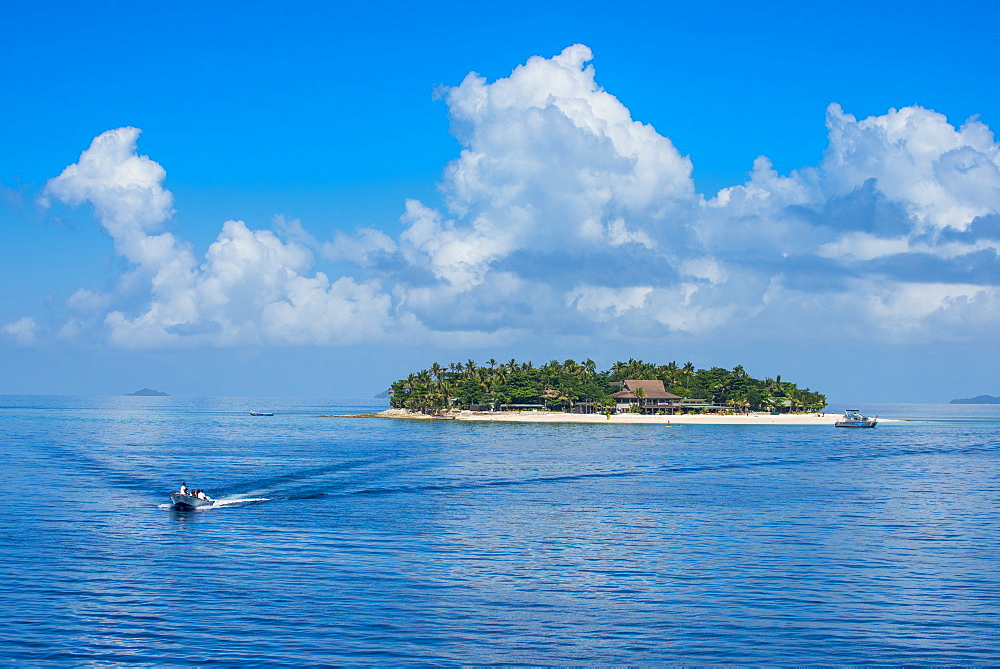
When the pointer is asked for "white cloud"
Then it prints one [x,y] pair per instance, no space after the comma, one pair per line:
[23,331]
[944,176]
[906,310]
[458,255]
[550,160]
[252,287]
[363,248]
[125,189]
[563,215]
[602,304]
[863,246]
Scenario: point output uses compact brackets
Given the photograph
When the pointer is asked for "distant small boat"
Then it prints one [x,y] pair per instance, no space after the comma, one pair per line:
[182,501]
[853,418]
[257,413]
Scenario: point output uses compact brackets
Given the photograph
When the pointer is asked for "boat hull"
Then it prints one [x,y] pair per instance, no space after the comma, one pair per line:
[855,423]
[189,501]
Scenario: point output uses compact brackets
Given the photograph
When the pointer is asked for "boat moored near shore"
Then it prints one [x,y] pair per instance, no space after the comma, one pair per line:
[853,418]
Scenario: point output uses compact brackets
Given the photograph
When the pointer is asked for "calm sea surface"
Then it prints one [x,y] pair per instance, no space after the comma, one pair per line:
[349,540]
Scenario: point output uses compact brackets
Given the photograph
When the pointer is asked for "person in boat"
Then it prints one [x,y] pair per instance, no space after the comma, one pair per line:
[184,488]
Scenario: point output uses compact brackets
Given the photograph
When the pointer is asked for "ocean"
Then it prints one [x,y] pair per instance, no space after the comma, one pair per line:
[368,541]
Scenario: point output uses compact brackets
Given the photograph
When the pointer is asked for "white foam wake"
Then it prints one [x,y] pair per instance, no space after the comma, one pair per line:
[232,501]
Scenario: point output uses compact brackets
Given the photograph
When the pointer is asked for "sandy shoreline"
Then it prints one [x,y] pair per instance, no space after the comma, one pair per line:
[633,419]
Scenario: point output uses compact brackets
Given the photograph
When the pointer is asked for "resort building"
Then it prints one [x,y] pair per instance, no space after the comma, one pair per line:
[648,396]
[636,396]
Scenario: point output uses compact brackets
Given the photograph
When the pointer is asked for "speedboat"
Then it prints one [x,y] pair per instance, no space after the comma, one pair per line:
[183,501]
[258,413]
[853,418]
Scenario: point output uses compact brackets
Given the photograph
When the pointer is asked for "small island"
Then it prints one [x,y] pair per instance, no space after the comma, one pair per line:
[632,391]
[147,392]
[979,399]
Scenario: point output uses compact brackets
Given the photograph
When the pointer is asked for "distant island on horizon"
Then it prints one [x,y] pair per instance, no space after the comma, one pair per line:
[980,399]
[147,392]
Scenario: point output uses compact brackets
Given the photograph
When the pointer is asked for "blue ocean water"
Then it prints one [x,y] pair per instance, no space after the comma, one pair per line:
[354,540]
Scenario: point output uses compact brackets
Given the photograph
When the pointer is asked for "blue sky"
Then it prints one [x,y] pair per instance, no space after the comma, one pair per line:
[315,199]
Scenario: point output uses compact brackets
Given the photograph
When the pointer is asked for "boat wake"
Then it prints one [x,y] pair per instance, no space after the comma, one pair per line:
[237,501]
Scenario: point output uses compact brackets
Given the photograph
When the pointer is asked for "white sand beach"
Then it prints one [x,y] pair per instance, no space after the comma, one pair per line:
[823,419]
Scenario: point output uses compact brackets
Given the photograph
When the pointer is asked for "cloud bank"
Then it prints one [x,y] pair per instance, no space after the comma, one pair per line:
[251,288]
[564,215]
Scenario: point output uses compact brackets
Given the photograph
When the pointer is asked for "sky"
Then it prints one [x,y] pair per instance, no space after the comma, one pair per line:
[313,199]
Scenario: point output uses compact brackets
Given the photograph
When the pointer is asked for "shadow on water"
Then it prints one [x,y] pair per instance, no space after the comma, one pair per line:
[309,483]
[677,469]
[315,483]
[183,513]
[275,484]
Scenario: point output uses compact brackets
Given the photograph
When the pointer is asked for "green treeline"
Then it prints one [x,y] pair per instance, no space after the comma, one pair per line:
[559,385]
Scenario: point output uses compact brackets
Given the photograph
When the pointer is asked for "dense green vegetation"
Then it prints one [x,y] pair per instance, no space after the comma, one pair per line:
[559,385]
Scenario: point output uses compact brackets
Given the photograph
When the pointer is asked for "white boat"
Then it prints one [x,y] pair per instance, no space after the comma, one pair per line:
[190,501]
[853,418]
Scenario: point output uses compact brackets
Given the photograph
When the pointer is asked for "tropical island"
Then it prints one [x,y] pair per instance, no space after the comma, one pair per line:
[578,392]
[148,392]
[979,399]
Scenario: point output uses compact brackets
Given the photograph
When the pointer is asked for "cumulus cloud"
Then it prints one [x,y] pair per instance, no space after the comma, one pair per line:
[564,215]
[942,175]
[251,287]
[126,190]
[364,247]
[23,331]
[550,161]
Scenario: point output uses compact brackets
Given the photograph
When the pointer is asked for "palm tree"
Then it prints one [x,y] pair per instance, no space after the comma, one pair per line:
[688,373]
[671,371]
[721,388]
[640,393]
[795,395]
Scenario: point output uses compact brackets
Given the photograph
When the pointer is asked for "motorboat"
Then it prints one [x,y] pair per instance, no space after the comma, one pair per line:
[853,418]
[258,413]
[185,501]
